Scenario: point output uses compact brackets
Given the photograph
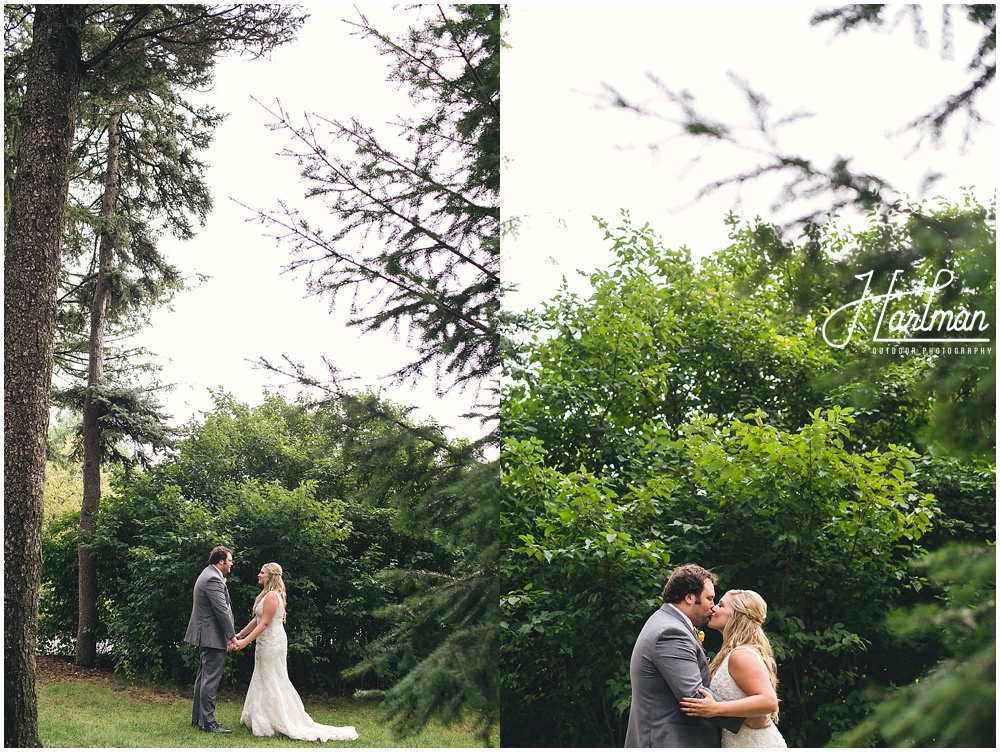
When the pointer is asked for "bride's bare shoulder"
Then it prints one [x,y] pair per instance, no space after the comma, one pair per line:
[745,656]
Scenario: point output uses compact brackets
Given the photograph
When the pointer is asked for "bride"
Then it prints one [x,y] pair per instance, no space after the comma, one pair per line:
[272,705]
[744,674]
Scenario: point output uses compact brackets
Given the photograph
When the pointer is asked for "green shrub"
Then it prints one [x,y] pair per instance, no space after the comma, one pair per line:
[254,468]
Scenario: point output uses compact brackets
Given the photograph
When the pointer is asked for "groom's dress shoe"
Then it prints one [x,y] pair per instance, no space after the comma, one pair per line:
[215,728]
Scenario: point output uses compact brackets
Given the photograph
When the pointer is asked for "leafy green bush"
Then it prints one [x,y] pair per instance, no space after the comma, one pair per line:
[684,412]
[954,704]
[820,532]
[59,604]
[581,576]
[150,546]
[242,478]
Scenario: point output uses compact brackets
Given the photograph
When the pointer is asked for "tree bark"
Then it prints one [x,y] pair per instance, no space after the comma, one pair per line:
[32,250]
[86,639]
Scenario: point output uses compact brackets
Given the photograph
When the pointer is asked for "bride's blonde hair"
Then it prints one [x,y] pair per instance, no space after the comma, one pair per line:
[273,583]
[746,628]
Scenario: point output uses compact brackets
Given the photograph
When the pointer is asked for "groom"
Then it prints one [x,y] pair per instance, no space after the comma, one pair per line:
[211,629]
[668,663]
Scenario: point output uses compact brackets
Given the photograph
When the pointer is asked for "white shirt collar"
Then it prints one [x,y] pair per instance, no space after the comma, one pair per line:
[683,616]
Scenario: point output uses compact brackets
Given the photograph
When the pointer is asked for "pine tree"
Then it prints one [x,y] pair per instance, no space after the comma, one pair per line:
[53,67]
[418,233]
[32,236]
[136,174]
[954,705]
[416,244]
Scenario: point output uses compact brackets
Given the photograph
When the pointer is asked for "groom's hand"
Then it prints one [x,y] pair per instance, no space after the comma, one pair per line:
[232,644]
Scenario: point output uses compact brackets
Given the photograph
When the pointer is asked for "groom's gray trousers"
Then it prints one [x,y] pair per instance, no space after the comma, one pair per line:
[206,684]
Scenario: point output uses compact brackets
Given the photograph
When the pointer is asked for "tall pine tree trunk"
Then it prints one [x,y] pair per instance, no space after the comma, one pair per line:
[86,641]
[32,254]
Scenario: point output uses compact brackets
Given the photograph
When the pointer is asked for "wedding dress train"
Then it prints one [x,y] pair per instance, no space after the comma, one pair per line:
[272,705]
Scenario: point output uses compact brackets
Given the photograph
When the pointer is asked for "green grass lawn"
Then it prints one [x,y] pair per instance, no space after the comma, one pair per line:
[109,712]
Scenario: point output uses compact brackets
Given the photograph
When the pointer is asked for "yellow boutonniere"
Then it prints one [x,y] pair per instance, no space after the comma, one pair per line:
[701,636]
[224,581]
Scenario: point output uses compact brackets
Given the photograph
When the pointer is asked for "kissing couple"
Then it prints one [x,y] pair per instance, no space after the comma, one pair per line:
[272,705]
[678,698]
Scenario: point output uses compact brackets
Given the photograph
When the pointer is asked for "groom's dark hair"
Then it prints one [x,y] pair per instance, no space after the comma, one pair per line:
[219,553]
[687,579]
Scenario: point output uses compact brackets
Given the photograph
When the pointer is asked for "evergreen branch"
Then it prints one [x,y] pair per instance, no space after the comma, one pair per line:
[359,187]
[469,65]
[119,40]
[371,273]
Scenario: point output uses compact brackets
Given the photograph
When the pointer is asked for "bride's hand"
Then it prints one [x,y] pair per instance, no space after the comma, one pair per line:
[704,707]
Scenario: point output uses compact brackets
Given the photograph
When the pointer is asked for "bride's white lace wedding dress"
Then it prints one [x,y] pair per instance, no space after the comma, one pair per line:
[727,690]
[272,705]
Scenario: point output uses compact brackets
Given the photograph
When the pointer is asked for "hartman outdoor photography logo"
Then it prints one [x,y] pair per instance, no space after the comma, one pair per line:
[910,320]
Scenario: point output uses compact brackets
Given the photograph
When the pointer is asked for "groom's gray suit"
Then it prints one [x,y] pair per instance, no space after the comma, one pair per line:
[210,628]
[668,663]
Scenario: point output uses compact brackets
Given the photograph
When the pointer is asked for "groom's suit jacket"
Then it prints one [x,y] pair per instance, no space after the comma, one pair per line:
[668,663]
[211,623]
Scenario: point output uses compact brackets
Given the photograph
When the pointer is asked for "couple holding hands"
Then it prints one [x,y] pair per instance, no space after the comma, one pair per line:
[679,699]
[272,705]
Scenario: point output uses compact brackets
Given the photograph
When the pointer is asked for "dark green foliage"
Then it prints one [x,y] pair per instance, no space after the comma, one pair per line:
[954,704]
[236,443]
[958,390]
[132,425]
[581,573]
[252,479]
[832,531]
[942,402]
[694,413]
[444,642]
[656,340]
[149,544]
[444,635]
[415,243]
[59,612]
[963,493]
[417,232]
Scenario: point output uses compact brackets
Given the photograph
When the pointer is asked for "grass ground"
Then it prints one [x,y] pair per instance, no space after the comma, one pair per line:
[106,711]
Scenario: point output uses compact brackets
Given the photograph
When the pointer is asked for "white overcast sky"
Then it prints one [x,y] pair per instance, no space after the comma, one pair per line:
[249,309]
[568,159]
